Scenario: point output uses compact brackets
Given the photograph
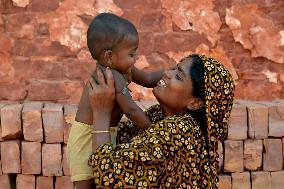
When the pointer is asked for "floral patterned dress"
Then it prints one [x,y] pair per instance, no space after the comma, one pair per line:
[170,154]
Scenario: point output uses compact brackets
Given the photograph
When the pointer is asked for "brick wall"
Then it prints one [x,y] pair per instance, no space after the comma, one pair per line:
[43,53]
[34,135]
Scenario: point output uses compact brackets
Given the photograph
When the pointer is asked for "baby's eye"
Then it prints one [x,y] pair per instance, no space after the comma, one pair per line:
[132,55]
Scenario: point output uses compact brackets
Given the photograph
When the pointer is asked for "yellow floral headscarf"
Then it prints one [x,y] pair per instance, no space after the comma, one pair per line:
[219,94]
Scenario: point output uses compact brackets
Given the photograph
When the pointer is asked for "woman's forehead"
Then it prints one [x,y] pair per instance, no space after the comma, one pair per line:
[185,65]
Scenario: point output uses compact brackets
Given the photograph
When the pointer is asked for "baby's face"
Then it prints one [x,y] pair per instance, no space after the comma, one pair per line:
[124,55]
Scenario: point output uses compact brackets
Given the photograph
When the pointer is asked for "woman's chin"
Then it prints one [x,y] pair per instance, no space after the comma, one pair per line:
[157,93]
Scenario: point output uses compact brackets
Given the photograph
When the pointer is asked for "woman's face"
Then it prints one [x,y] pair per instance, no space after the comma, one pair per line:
[175,89]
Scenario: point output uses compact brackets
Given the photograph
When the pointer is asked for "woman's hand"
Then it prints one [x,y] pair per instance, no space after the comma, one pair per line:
[102,92]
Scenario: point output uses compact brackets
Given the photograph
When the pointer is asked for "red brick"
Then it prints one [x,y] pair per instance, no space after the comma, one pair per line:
[6,42]
[44,182]
[27,32]
[238,127]
[69,116]
[253,154]
[10,156]
[258,121]
[25,182]
[43,6]
[65,164]
[136,4]
[241,180]
[13,22]
[154,22]
[1,106]
[11,121]
[46,69]
[31,158]
[13,91]
[225,182]
[32,122]
[277,180]
[5,182]
[51,160]
[233,161]
[189,41]
[75,69]
[250,89]
[272,156]
[40,47]
[276,120]
[21,69]
[63,183]
[146,44]
[60,91]
[52,115]
[9,7]
[260,180]
[133,18]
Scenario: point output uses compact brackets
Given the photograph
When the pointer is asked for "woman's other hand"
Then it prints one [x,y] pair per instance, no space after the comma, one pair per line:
[102,92]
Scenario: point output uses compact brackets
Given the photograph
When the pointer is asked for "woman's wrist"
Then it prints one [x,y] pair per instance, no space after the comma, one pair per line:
[101,120]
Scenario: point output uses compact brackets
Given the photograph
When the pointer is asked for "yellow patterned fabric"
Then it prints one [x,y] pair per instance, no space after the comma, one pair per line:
[172,152]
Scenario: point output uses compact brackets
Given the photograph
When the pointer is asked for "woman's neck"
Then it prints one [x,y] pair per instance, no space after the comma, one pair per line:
[167,111]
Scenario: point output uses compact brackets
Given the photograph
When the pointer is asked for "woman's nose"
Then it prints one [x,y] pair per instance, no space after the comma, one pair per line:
[167,73]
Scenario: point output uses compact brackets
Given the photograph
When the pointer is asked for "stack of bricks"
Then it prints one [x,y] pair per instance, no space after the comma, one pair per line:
[33,139]
[252,156]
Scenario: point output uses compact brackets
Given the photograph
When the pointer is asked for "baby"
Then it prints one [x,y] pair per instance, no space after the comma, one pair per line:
[112,42]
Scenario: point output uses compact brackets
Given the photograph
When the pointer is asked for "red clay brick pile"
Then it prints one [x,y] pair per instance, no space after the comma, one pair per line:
[252,156]
[33,145]
[33,139]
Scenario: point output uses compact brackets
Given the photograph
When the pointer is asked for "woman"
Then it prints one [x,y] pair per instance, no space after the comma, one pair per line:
[180,149]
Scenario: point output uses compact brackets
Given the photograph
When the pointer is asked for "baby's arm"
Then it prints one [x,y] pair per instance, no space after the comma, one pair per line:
[132,110]
[146,79]
[85,112]
[126,103]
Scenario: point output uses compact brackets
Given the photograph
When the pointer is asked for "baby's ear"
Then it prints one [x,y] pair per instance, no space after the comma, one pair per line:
[108,57]
[195,104]
[107,54]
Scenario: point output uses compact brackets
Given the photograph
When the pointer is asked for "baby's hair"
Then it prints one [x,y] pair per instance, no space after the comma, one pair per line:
[106,31]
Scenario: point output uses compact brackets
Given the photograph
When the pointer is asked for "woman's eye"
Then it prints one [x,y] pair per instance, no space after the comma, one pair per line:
[178,77]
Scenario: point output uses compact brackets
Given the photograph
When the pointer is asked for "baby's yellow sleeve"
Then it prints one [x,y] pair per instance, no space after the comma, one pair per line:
[79,149]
